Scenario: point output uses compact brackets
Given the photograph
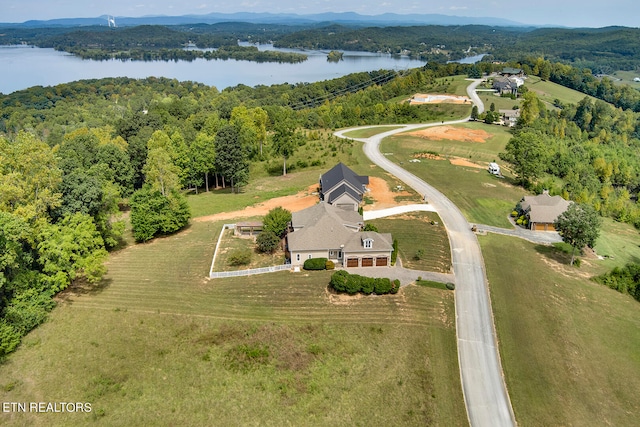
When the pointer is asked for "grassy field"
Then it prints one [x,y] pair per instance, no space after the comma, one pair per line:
[159,344]
[570,348]
[483,198]
[625,78]
[369,132]
[548,91]
[415,232]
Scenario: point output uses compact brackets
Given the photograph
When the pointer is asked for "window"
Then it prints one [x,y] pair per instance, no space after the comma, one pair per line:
[309,256]
[332,254]
[368,243]
[297,257]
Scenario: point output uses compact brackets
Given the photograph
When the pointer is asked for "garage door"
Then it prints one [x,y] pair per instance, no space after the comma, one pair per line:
[382,261]
[352,262]
[367,262]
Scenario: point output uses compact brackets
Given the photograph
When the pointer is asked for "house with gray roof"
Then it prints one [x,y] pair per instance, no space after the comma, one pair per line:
[542,210]
[327,231]
[342,187]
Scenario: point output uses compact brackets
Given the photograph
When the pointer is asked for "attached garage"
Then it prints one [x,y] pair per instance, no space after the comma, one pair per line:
[367,262]
[352,262]
[382,261]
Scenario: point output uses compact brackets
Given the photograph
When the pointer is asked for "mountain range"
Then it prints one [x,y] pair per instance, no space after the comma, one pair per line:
[346,18]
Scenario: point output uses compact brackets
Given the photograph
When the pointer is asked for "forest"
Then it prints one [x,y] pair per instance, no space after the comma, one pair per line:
[81,159]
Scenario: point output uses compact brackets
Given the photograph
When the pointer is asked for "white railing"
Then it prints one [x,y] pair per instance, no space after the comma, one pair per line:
[219,274]
[240,273]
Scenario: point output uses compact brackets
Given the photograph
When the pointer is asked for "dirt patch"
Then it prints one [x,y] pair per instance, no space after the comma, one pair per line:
[294,203]
[429,156]
[382,195]
[459,161]
[379,191]
[451,133]
[430,98]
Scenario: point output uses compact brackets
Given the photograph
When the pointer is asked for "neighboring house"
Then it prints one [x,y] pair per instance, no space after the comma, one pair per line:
[510,117]
[506,85]
[508,72]
[342,187]
[327,231]
[543,210]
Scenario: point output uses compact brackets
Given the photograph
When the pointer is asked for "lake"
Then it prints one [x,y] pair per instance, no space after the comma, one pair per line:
[24,66]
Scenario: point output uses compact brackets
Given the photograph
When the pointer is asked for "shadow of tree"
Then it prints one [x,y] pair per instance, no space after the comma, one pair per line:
[556,252]
[82,287]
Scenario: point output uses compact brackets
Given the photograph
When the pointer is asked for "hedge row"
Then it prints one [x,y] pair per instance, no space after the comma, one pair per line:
[342,281]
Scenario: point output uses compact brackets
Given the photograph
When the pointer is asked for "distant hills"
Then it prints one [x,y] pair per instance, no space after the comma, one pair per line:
[346,18]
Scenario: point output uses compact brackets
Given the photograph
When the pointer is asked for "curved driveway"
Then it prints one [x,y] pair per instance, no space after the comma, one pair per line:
[483,385]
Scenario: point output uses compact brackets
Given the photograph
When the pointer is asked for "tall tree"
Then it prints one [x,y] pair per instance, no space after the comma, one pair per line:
[232,157]
[579,226]
[284,140]
[526,152]
[70,249]
[29,176]
[160,171]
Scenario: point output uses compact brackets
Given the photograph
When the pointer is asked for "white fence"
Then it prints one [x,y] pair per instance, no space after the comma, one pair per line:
[239,273]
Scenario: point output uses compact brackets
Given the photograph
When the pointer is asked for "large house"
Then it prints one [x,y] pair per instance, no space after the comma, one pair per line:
[328,231]
[543,210]
[507,85]
[342,187]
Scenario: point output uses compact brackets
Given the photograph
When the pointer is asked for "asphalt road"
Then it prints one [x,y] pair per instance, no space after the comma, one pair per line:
[485,394]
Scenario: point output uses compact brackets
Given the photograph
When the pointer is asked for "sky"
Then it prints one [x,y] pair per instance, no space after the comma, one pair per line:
[568,13]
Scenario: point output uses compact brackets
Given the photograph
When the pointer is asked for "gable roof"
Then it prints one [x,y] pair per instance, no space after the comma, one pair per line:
[381,242]
[311,216]
[544,208]
[344,189]
[340,173]
[322,226]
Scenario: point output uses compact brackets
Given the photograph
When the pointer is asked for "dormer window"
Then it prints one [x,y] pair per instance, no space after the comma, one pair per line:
[368,243]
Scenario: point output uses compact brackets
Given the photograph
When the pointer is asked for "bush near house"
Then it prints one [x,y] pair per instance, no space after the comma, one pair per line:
[330,265]
[240,256]
[342,281]
[315,264]
[267,241]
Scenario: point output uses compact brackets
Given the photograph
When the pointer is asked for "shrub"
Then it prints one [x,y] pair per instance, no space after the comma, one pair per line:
[450,286]
[339,280]
[396,286]
[329,265]
[315,264]
[382,286]
[514,214]
[370,227]
[394,254]
[240,257]
[267,241]
[419,255]
[367,284]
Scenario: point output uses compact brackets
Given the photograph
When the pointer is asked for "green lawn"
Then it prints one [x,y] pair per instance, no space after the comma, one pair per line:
[548,91]
[570,348]
[483,198]
[231,243]
[369,132]
[415,232]
[159,344]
